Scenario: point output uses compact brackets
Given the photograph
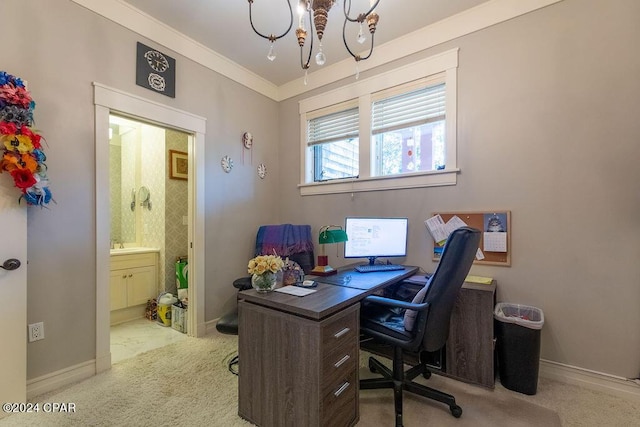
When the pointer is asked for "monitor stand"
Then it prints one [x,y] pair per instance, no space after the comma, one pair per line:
[372,260]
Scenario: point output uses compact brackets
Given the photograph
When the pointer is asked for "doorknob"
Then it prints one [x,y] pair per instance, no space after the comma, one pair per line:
[11,264]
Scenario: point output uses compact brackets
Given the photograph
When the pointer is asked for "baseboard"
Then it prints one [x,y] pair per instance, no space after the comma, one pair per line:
[61,378]
[592,380]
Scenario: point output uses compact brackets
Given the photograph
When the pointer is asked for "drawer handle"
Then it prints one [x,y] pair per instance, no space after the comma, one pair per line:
[342,332]
[342,388]
[341,361]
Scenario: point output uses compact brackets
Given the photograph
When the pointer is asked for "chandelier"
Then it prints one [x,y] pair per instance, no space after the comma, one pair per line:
[316,12]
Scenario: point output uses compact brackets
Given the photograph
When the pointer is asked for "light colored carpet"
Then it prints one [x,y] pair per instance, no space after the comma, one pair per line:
[188,384]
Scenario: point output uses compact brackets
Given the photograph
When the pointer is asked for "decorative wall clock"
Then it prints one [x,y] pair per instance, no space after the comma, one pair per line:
[262,170]
[226,163]
[155,70]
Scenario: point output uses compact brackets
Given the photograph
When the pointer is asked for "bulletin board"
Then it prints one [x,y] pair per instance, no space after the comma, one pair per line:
[495,242]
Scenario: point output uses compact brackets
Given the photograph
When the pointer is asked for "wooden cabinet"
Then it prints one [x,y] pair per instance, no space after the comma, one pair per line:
[133,280]
[470,347]
[315,385]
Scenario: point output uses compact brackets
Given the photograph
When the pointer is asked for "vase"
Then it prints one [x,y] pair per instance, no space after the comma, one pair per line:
[264,282]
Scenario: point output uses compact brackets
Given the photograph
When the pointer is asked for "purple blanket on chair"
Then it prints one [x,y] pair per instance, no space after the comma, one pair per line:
[284,239]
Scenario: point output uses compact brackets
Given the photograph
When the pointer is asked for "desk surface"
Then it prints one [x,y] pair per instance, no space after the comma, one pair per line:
[330,297]
[372,281]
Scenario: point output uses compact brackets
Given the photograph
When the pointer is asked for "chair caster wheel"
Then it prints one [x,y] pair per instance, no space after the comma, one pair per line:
[426,374]
[456,411]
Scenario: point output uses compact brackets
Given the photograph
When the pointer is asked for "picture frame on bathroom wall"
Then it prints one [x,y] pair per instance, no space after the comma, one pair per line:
[178,164]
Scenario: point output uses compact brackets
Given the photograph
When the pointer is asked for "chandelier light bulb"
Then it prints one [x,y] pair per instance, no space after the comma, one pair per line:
[271,55]
[305,76]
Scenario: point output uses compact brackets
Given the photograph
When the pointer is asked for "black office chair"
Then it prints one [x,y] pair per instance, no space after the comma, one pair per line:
[420,325]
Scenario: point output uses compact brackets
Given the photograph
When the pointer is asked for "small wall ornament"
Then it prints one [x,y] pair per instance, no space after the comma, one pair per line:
[226,163]
[262,170]
[20,143]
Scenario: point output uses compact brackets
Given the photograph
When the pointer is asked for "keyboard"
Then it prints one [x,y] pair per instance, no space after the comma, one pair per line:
[378,267]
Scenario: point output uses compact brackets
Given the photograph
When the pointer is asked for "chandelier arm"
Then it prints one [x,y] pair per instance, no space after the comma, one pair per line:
[361,17]
[357,57]
[271,37]
[305,66]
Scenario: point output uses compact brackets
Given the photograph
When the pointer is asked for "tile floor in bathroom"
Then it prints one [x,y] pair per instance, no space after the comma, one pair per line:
[138,336]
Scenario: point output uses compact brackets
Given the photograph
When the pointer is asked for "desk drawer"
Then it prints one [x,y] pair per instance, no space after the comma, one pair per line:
[341,331]
[338,365]
[340,403]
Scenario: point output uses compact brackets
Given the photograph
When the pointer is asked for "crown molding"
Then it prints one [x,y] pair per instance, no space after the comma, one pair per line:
[485,15]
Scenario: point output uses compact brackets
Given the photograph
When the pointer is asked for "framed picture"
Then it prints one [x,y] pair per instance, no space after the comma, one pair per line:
[178,164]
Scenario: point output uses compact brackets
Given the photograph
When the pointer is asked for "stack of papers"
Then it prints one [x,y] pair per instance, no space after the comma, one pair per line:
[295,290]
[479,279]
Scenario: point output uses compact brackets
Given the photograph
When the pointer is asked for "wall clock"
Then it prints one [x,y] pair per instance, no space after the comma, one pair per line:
[155,70]
[262,170]
[226,163]
[157,61]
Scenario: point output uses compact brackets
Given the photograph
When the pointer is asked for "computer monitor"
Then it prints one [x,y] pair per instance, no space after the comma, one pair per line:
[375,237]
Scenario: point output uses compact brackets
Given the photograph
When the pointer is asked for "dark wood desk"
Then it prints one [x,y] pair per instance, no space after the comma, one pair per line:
[299,356]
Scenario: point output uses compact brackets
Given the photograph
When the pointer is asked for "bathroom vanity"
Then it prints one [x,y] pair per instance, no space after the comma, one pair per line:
[133,279]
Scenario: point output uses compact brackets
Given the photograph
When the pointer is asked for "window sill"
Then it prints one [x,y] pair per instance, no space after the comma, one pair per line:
[380,183]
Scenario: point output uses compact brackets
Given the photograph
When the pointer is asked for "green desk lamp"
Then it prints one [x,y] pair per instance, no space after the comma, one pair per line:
[328,234]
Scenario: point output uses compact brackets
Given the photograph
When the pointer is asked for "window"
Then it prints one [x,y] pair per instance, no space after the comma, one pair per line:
[334,140]
[394,130]
[408,129]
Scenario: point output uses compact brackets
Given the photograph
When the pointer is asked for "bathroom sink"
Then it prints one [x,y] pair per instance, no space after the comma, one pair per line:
[127,251]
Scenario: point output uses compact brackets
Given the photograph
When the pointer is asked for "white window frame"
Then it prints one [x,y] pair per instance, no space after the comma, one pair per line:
[442,65]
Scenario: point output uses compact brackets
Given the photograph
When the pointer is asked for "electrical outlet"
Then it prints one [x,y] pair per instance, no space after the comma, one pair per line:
[36,331]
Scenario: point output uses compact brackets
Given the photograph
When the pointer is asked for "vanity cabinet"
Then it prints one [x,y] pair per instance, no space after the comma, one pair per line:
[133,280]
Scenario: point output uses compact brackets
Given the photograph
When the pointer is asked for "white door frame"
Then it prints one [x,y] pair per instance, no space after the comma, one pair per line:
[108,100]
[13,285]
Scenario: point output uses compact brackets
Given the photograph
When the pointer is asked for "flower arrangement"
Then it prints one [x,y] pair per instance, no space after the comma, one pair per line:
[265,264]
[20,144]
[263,269]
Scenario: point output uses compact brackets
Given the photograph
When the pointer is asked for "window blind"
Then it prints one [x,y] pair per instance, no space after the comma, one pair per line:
[409,109]
[333,127]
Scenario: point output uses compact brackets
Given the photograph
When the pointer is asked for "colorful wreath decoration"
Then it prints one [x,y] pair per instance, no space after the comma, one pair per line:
[20,144]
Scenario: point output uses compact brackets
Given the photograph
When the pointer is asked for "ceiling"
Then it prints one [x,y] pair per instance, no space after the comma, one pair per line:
[223,26]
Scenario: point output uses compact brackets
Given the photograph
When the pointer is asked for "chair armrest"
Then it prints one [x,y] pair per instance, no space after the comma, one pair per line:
[388,302]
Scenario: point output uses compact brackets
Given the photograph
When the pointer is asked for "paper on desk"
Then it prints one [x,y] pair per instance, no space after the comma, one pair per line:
[479,255]
[295,290]
[479,279]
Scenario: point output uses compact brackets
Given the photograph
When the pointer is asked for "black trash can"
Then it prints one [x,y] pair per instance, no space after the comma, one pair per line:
[518,346]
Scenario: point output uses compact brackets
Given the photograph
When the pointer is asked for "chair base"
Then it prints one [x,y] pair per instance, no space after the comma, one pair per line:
[399,380]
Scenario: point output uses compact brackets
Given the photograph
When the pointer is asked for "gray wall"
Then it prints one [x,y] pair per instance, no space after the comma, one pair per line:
[548,128]
[65,49]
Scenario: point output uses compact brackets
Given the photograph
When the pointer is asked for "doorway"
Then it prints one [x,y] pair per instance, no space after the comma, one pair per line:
[111,101]
[148,234]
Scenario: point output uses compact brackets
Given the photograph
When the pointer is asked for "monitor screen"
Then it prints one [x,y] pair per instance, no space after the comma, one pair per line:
[375,237]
